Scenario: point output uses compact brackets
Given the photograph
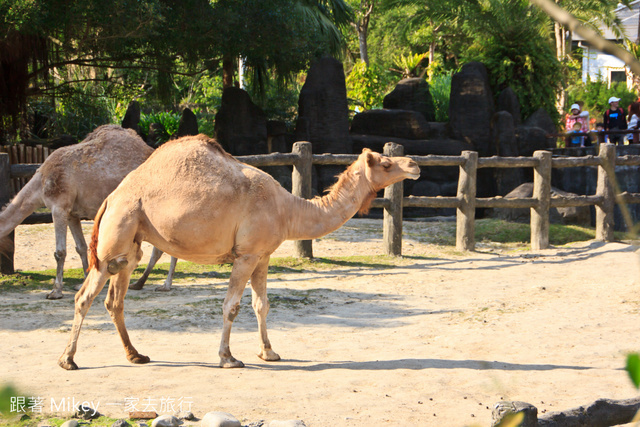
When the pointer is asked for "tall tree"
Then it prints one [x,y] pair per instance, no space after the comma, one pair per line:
[363,11]
[281,35]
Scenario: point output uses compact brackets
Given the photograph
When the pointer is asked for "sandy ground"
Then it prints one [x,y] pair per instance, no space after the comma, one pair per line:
[436,341]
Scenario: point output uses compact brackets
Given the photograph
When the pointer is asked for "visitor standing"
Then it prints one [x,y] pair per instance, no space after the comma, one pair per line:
[615,119]
[634,119]
[576,115]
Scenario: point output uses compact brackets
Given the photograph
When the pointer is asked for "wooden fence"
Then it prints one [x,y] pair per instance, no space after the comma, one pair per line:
[465,202]
[24,154]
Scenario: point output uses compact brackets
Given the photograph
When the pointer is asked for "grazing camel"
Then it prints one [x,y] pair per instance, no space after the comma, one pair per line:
[194,201]
[73,182]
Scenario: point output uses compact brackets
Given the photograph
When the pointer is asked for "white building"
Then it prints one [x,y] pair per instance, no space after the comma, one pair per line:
[596,63]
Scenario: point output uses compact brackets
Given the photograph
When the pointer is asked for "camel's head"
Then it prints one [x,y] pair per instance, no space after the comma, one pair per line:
[382,171]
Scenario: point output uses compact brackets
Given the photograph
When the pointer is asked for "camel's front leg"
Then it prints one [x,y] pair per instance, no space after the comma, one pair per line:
[260,302]
[122,268]
[60,220]
[242,269]
[92,286]
[81,244]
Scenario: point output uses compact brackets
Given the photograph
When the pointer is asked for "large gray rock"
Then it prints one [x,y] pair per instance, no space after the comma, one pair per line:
[393,123]
[471,107]
[131,119]
[323,113]
[241,126]
[541,119]
[502,410]
[531,139]
[219,419]
[411,94]
[188,124]
[166,421]
[580,215]
[508,101]
[503,135]
[415,147]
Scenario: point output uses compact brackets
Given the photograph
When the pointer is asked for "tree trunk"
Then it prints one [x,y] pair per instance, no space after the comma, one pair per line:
[362,39]
[227,72]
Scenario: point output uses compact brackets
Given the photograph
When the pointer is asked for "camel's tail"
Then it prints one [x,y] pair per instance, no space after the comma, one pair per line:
[94,263]
[23,204]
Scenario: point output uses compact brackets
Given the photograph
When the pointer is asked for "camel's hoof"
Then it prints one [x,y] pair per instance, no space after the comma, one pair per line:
[231,362]
[54,295]
[67,364]
[136,286]
[139,359]
[162,289]
[269,355]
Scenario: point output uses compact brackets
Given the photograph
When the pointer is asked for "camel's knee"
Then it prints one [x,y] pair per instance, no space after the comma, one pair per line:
[230,311]
[81,250]
[113,305]
[60,255]
[115,265]
[261,305]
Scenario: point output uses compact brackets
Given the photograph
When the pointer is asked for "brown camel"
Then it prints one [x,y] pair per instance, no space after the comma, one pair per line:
[194,201]
[73,182]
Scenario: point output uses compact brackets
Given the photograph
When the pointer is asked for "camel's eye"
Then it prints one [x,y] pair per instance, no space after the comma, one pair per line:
[385,164]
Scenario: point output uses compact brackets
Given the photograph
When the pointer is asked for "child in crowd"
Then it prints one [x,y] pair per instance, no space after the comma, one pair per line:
[615,119]
[576,141]
[574,118]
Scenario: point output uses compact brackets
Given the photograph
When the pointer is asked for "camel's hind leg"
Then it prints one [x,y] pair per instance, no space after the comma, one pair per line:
[242,269]
[260,302]
[60,221]
[115,300]
[155,256]
[169,280]
[92,286]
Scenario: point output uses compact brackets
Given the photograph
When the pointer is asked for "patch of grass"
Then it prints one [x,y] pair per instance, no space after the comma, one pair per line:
[156,312]
[296,299]
[510,234]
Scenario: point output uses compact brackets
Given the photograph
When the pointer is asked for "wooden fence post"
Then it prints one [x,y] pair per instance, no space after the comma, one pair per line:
[301,187]
[6,262]
[392,219]
[541,193]
[466,212]
[606,177]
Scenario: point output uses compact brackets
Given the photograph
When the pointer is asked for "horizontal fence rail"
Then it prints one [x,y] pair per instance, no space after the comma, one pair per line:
[465,202]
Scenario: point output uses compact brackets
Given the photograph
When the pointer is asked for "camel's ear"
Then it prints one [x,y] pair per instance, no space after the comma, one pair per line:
[369,157]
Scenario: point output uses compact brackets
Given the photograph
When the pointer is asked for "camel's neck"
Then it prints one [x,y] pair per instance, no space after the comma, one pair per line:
[311,219]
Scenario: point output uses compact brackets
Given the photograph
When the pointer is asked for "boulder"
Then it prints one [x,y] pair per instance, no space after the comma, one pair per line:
[241,126]
[188,124]
[580,215]
[414,147]
[503,410]
[219,419]
[531,139]
[323,113]
[508,101]
[541,119]
[411,94]
[131,119]
[505,145]
[471,107]
[392,123]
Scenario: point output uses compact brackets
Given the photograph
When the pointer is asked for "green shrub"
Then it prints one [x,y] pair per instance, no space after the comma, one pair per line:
[367,86]
[440,88]
[168,119]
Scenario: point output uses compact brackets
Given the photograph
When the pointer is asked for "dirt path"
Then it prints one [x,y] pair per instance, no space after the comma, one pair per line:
[435,341]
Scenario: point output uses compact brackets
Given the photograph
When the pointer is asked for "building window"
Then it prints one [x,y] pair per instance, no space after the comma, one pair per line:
[618,77]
